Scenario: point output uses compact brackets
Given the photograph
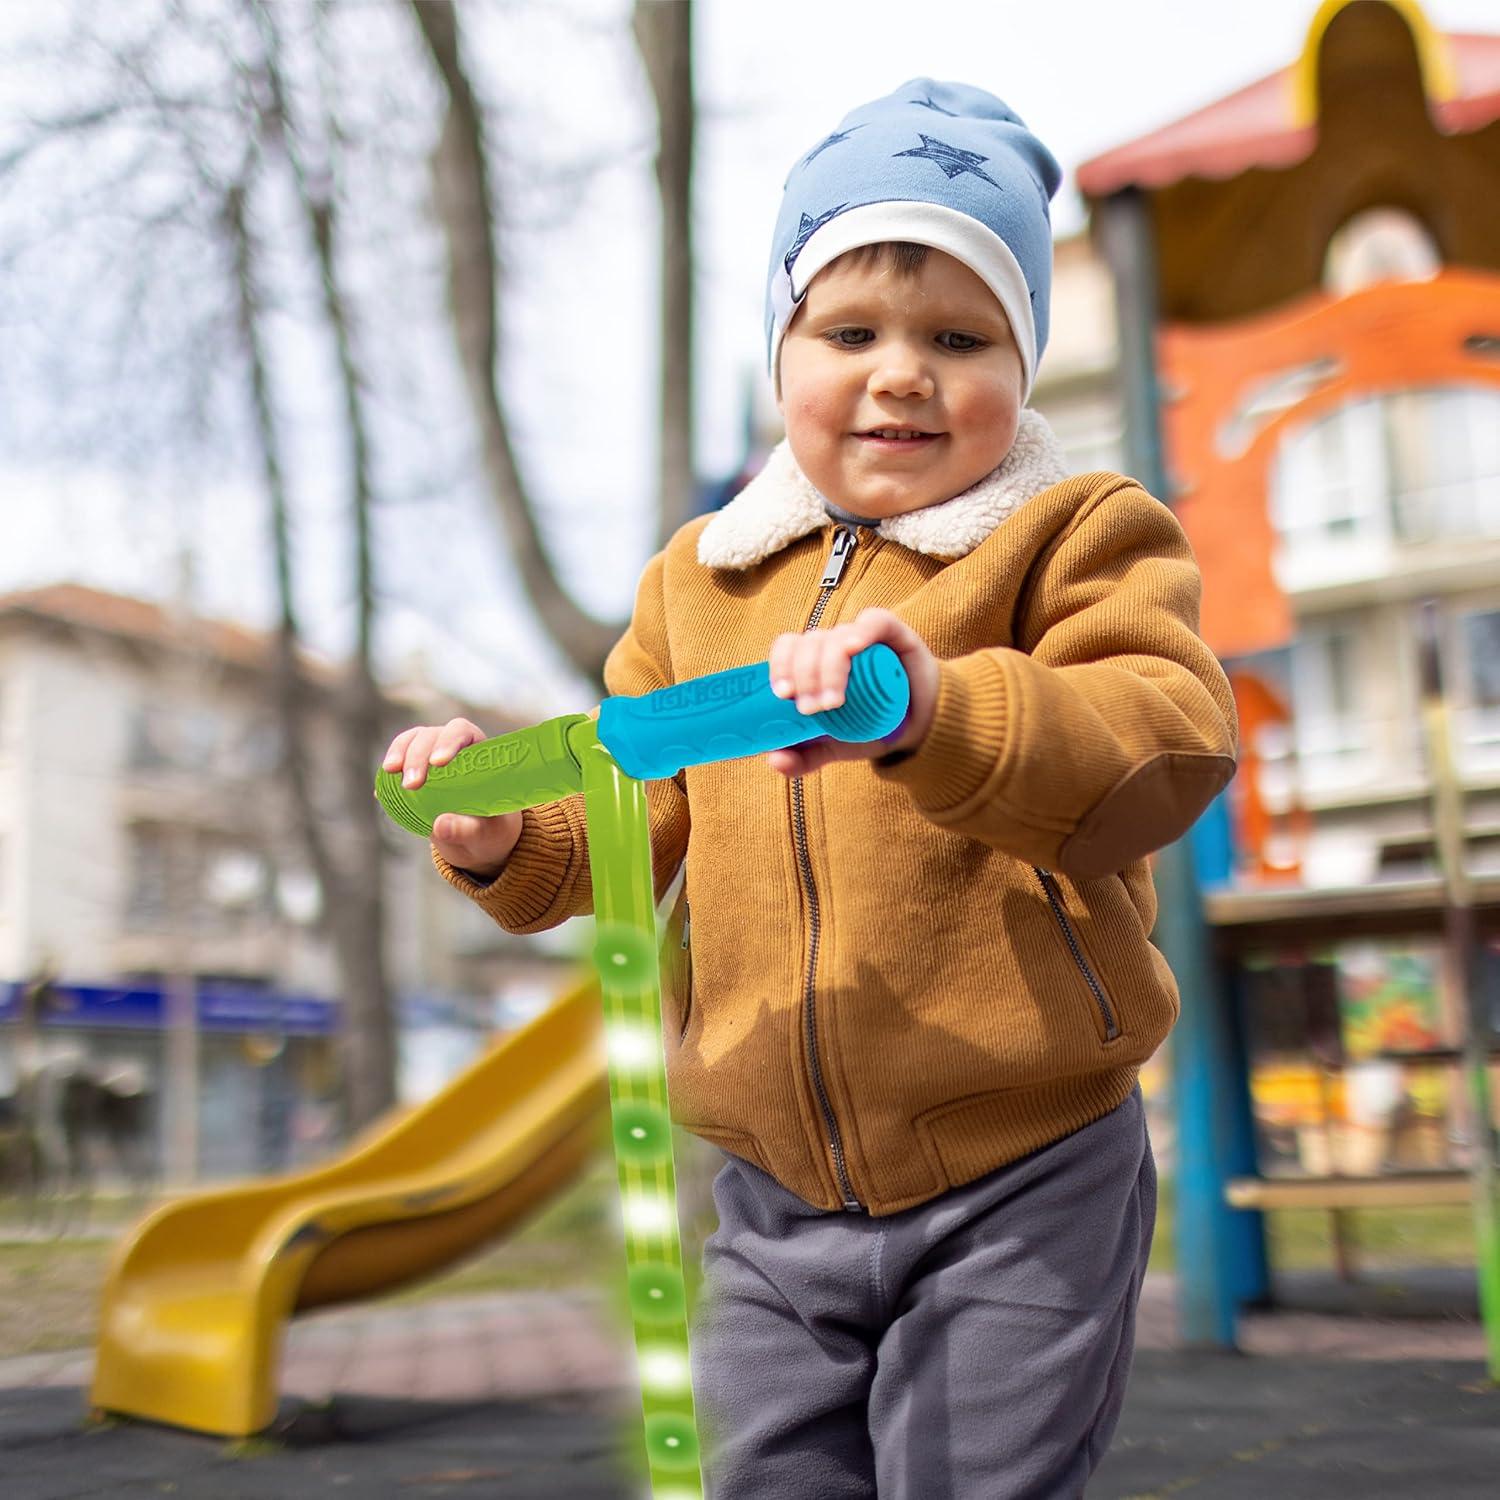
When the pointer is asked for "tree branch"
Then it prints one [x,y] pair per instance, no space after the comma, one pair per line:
[462,191]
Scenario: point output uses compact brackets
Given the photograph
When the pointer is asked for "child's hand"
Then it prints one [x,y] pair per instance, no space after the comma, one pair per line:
[479,845]
[813,668]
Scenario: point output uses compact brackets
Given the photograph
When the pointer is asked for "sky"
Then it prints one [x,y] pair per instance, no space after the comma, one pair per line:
[580,369]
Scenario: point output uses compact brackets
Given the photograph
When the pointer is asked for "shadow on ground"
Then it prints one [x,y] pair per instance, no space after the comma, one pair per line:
[362,1446]
[1239,1427]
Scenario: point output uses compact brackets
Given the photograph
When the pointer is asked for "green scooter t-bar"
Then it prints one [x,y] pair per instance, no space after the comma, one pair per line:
[717,717]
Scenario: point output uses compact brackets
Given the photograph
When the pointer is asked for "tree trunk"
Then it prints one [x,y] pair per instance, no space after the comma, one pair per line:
[350,904]
[372,1024]
[461,186]
[664,36]
[370,1076]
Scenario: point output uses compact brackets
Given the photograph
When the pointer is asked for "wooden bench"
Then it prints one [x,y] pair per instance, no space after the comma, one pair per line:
[1340,1194]
[1408,1190]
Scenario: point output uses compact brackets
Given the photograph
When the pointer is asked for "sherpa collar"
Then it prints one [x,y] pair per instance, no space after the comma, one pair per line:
[779,505]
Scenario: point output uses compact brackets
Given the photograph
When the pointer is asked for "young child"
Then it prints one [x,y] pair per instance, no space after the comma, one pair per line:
[921,981]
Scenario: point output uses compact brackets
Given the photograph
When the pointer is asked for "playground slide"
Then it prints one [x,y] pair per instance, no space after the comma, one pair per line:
[197,1296]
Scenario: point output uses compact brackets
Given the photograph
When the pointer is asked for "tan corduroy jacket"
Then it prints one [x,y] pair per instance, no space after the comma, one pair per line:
[905,976]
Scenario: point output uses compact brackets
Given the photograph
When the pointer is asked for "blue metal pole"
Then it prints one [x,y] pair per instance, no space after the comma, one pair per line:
[1209,1273]
[1245,1228]
[1218,1260]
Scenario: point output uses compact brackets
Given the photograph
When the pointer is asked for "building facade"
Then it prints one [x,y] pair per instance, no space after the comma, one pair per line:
[154,882]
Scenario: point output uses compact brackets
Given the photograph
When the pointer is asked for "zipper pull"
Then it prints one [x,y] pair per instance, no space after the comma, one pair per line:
[844,542]
[687,922]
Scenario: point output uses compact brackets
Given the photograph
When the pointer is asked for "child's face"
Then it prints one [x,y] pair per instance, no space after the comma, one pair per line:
[872,350]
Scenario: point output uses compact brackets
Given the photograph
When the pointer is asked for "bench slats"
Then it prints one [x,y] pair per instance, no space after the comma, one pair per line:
[1413,1191]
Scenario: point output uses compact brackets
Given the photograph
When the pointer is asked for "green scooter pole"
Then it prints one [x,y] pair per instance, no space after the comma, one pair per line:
[625,952]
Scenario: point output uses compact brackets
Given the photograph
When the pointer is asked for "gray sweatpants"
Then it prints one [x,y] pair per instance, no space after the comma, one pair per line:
[975,1347]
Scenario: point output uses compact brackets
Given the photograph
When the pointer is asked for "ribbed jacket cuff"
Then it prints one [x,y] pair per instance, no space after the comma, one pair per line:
[965,740]
[527,889]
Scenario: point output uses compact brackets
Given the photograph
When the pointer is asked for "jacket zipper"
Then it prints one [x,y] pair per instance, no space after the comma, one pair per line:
[1049,886]
[844,542]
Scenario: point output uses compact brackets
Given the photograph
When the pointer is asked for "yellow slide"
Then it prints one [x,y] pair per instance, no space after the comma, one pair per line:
[196,1298]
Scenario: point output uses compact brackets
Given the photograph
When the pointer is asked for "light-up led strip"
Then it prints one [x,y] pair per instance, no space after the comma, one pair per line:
[625,952]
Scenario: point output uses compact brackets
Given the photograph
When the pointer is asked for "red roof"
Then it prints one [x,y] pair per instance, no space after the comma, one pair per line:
[125,617]
[142,621]
[1254,127]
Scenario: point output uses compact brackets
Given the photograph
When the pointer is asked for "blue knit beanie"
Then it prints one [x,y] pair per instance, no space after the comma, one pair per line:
[939,164]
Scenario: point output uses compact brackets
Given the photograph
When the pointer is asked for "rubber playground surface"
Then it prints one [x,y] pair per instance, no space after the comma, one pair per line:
[531,1398]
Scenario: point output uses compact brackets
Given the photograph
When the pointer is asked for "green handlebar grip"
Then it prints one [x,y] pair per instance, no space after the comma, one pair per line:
[505,774]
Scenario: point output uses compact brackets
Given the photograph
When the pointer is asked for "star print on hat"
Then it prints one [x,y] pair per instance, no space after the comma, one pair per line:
[939,164]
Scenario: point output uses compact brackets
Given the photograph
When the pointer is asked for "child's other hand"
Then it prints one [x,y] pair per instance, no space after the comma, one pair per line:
[479,845]
[813,669]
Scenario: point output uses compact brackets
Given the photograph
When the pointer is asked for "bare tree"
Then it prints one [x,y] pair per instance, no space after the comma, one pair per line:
[464,185]
[210,140]
[230,162]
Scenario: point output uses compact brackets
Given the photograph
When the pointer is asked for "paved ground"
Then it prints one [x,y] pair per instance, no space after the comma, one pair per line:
[532,1399]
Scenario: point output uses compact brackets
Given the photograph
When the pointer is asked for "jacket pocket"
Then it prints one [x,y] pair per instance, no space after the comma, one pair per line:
[736,1142]
[677,975]
[1104,1007]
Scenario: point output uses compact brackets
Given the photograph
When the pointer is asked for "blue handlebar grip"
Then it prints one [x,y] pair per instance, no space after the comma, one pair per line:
[729,714]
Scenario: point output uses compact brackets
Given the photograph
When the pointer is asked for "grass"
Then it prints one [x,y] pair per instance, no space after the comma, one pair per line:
[49,1291]
[574,1241]
[106,1214]
[48,1294]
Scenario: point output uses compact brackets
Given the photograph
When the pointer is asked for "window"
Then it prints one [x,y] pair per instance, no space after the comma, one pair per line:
[162,737]
[1481,634]
[236,880]
[1443,458]
[1334,728]
[253,750]
[146,752]
[1328,482]
[146,895]
[1406,469]
[299,896]
[1477,694]
[199,734]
